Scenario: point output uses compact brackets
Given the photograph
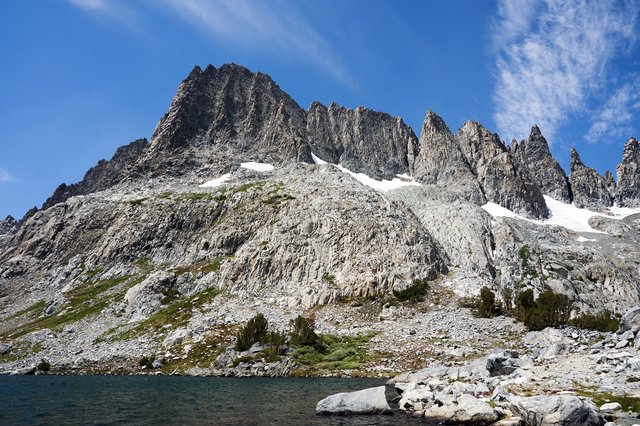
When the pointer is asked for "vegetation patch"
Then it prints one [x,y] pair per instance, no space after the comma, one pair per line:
[173,315]
[82,302]
[137,202]
[332,353]
[204,267]
[416,292]
[628,403]
[36,309]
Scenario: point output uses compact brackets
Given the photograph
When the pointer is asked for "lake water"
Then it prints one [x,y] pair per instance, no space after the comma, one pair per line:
[155,400]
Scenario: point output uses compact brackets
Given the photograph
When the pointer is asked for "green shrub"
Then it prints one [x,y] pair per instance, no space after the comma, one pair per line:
[277,341]
[602,321]
[507,299]
[43,365]
[146,361]
[524,304]
[303,333]
[254,331]
[487,306]
[414,293]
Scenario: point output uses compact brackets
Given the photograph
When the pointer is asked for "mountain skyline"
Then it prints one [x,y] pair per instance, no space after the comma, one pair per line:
[123,61]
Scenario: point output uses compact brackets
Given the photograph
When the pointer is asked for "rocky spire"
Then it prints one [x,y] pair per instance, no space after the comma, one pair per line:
[611,183]
[588,187]
[361,140]
[498,174]
[441,162]
[228,113]
[628,172]
[534,157]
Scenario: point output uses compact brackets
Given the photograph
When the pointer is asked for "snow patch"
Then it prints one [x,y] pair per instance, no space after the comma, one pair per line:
[379,185]
[582,239]
[216,182]
[258,167]
[565,215]
[317,160]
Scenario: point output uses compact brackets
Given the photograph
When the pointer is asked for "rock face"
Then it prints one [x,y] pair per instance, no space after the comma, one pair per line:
[563,410]
[498,174]
[534,156]
[442,163]
[103,175]
[362,140]
[630,321]
[628,171]
[366,401]
[219,114]
[588,187]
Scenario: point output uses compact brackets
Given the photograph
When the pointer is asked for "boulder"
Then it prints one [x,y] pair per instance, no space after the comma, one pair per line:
[144,298]
[366,401]
[466,410]
[610,407]
[503,363]
[565,410]
[630,321]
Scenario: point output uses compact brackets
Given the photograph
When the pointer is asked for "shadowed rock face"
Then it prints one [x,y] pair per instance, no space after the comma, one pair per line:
[228,113]
[533,155]
[588,187]
[628,171]
[441,162]
[498,174]
[362,140]
[102,176]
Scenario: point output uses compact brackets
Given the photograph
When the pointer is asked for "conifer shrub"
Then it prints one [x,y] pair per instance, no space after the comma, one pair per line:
[43,366]
[303,332]
[602,321]
[414,293]
[254,331]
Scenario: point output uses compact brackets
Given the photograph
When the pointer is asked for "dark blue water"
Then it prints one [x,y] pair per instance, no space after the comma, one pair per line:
[145,400]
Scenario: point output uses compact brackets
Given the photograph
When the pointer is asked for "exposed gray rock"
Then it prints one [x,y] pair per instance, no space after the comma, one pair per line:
[630,321]
[362,140]
[565,410]
[533,155]
[628,172]
[441,162]
[466,410]
[147,296]
[103,175]
[611,183]
[499,176]
[366,401]
[588,187]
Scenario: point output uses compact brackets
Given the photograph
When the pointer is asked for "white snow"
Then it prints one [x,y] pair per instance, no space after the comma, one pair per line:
[378,185]
[317,160]
[565,215]
[582,239]
[216,182]
[258,167]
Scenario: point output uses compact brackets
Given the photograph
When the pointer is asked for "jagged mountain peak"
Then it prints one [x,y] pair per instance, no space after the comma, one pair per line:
[575,159]
[434,123]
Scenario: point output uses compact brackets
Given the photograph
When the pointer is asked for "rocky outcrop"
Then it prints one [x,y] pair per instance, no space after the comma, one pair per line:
[103,175]
[628,171]
[611,183]
[498,174]
[225,115]
[533,155]
[366,401]
[362,140]
[564,410]
[441,162]
[588,187]
[630,321]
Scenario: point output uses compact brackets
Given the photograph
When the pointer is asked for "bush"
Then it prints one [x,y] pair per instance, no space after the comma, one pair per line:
[303,333]
[507,299]
[43,365]
[602,321]
[414,293]
[254,331]
[277,341]
[524,304]
[146,361]
[487,306]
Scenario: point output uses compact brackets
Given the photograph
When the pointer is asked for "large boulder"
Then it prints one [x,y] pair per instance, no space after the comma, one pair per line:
[630,320]
[466,410]
[557,410]
[366,401]
[146,297]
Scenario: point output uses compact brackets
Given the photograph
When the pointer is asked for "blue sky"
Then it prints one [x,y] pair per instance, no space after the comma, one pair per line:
[81,77]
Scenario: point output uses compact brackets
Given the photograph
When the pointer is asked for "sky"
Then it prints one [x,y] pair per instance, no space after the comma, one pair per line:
[79,78]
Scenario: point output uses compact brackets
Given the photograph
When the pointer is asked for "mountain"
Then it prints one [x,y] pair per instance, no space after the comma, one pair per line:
[242,201]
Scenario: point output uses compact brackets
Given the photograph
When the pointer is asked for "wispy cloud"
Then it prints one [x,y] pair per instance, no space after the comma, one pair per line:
[548,72]
[111,8]
[615,118]
[264,25]
[5,176]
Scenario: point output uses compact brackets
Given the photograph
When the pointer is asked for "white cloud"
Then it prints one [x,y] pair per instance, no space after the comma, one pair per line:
[615,118]
[548,72]
[5,176]
[111,8]
[97,5]
[264,25]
